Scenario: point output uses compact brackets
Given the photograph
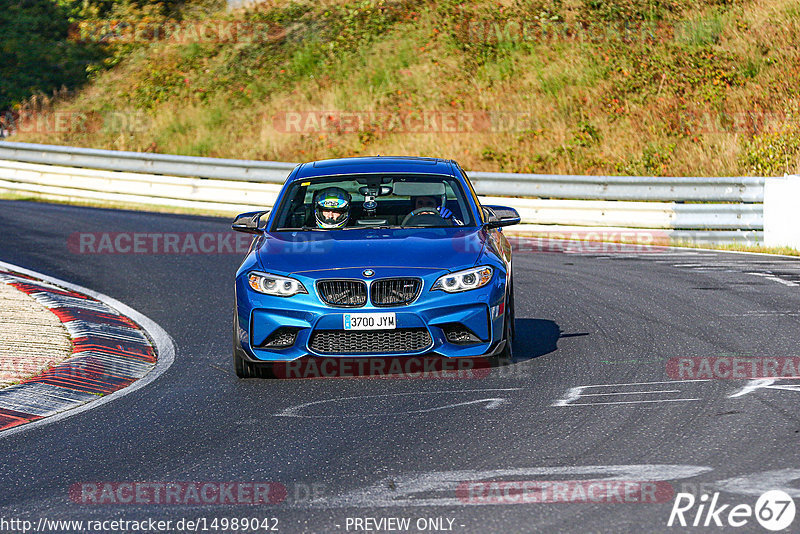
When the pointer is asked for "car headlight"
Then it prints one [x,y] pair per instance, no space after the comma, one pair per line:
[464,280]
[272,284]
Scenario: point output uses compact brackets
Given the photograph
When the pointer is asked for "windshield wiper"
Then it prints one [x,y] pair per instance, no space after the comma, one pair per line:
[303,229]
[368,227]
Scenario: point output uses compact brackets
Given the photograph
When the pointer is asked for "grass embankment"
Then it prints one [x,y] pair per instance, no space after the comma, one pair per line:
[644,87]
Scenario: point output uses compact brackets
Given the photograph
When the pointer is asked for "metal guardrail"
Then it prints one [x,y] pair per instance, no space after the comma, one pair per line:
[137,188]
[667,215]
[644,188]
[732,189]
[112,160]
[726,209]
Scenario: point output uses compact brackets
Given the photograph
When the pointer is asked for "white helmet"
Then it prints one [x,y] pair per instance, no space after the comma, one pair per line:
[332,208]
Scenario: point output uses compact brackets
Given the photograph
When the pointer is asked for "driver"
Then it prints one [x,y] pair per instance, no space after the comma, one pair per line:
[332,208]
[433,202]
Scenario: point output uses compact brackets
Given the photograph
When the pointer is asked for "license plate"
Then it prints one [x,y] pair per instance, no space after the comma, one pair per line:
[369,321]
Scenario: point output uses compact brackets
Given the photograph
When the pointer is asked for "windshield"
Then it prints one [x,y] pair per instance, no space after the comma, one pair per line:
[374,201]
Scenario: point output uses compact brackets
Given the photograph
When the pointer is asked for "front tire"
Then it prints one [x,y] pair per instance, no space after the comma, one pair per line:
[244,368]
[513,311]
[507,356]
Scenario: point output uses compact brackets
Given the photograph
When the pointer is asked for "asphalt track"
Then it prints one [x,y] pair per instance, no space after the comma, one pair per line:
[398,448]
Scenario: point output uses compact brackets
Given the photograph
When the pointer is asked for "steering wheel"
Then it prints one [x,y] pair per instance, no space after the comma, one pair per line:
[420,211]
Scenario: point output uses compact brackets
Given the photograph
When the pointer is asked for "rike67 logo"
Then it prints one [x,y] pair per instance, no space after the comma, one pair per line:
[774,510]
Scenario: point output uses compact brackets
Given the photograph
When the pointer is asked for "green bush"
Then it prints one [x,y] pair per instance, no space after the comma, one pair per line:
[157,86]
[633,10]
[702,31]
[772,153]
[653,161]
[38,55]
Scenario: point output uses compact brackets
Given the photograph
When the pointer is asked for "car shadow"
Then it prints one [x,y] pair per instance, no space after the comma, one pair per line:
[537,337]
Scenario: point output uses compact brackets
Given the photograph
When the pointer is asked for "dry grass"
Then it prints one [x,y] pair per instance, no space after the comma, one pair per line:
[659,107]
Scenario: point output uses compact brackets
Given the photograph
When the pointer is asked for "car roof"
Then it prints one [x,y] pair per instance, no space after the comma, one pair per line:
[374,164]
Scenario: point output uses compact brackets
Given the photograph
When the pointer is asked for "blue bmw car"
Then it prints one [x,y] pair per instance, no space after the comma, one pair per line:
[374,257]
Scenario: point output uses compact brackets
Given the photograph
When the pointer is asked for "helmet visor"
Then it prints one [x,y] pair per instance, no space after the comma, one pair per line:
[331,216]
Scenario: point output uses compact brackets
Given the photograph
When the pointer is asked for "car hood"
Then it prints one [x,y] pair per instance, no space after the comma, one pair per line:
[421,248]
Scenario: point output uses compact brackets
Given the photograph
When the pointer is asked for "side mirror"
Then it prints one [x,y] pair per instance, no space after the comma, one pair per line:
[249,222]
[499,216]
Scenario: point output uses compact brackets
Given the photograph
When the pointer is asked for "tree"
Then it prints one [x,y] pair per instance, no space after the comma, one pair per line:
[36,52]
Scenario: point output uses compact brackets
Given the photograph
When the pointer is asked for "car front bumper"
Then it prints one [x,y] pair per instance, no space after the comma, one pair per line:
[481,310]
